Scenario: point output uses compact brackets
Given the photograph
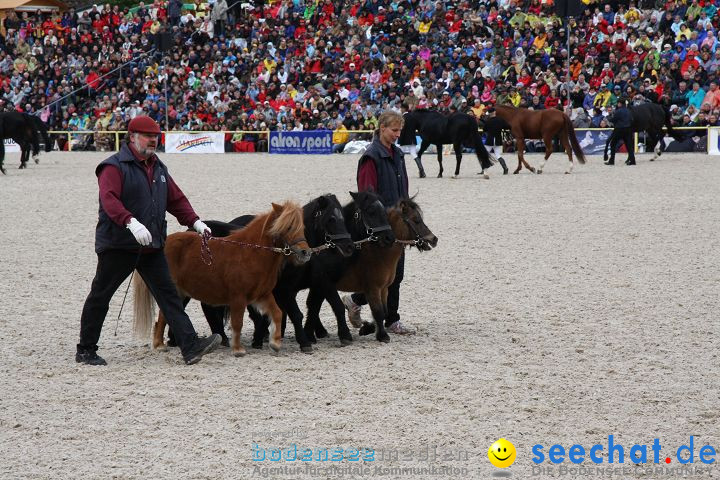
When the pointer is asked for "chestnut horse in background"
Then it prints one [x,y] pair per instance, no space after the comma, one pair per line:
[544,125]
[244,268]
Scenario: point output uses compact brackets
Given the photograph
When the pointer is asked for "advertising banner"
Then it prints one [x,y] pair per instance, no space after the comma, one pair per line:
[592,142]
[202,142]
[317,142]
[10,145]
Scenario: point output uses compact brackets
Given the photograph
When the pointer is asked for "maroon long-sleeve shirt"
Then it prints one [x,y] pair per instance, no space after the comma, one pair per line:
[367,175]
[110,183]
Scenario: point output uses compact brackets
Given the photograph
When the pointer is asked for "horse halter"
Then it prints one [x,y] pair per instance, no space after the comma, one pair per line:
[329,238]
[371,231]
[287,249]
[206,254]
[419,241]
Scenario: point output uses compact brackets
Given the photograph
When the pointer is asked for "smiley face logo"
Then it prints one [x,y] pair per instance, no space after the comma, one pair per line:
[502,453]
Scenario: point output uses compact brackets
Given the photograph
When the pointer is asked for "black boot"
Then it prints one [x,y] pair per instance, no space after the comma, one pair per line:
[420,167]
[630,162]
[502,164]
[88,356]
[201,347]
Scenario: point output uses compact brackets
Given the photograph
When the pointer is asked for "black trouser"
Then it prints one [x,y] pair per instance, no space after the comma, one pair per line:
[113,267]
[626,135]
[393,298]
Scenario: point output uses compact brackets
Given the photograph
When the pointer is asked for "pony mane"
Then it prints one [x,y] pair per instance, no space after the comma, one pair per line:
[289,223]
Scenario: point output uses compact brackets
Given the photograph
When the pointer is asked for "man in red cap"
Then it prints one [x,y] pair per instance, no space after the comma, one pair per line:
[136,190]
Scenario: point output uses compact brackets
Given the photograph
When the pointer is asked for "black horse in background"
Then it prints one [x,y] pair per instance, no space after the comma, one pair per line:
[325,232]
[434,128]
[649,118]
[24,129]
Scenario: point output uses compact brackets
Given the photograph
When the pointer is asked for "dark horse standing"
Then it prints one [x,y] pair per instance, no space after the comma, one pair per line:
[24,130]
[540,124]
[649,118]
[437,129]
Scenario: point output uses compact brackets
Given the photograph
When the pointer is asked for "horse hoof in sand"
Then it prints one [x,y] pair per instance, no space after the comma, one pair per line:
[308,349]
[240,352]
[455,177]
[37,159]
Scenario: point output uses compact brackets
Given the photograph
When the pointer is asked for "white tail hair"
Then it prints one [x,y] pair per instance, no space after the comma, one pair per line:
[143,308]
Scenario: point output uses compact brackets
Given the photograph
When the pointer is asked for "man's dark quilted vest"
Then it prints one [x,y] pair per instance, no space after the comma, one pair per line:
[391,173]
[147,204]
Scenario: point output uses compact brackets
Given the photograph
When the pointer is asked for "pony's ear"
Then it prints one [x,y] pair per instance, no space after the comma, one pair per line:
[277,208]
[322,201]
[353,195]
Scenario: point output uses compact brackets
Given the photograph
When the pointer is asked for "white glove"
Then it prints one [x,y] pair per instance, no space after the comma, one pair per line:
[141,234]
[200,227]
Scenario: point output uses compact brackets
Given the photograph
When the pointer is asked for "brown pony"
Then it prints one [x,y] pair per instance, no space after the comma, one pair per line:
[540,124]
[244,270]
[374,270]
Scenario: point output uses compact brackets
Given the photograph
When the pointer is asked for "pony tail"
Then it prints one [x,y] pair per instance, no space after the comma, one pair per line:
[143,308]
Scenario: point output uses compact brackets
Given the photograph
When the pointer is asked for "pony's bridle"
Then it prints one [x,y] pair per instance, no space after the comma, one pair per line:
[371,231]
[206,254]
[419,241]
[329,238]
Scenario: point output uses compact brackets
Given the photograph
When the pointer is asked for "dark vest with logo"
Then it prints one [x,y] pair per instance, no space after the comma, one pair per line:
[147,203]
[392,177]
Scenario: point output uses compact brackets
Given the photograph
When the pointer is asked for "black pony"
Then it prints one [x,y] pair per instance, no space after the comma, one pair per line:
[649,118]
[24,129]
[367,222]
[434,128]
[325,232]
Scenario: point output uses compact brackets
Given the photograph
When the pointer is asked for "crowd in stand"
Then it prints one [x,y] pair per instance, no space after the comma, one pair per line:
[299,64]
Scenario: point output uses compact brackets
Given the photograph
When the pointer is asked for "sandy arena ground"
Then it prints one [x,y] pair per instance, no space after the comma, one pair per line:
[556,309]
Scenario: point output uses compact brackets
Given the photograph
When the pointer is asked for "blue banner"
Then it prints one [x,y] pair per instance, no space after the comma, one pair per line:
[592,142]
[318,142]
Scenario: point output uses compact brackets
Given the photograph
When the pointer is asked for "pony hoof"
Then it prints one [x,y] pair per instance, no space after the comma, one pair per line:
[321,333]
[455,177]
[344,342]
[367,328]
[225,342]
[439,175]
[568,173]
[37,160]
[161,348]
[239,353]
[275,346]
[422,174]
[384,338]
[486,176]
[3,171]
[516,172]
[538,171]
[307,349]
